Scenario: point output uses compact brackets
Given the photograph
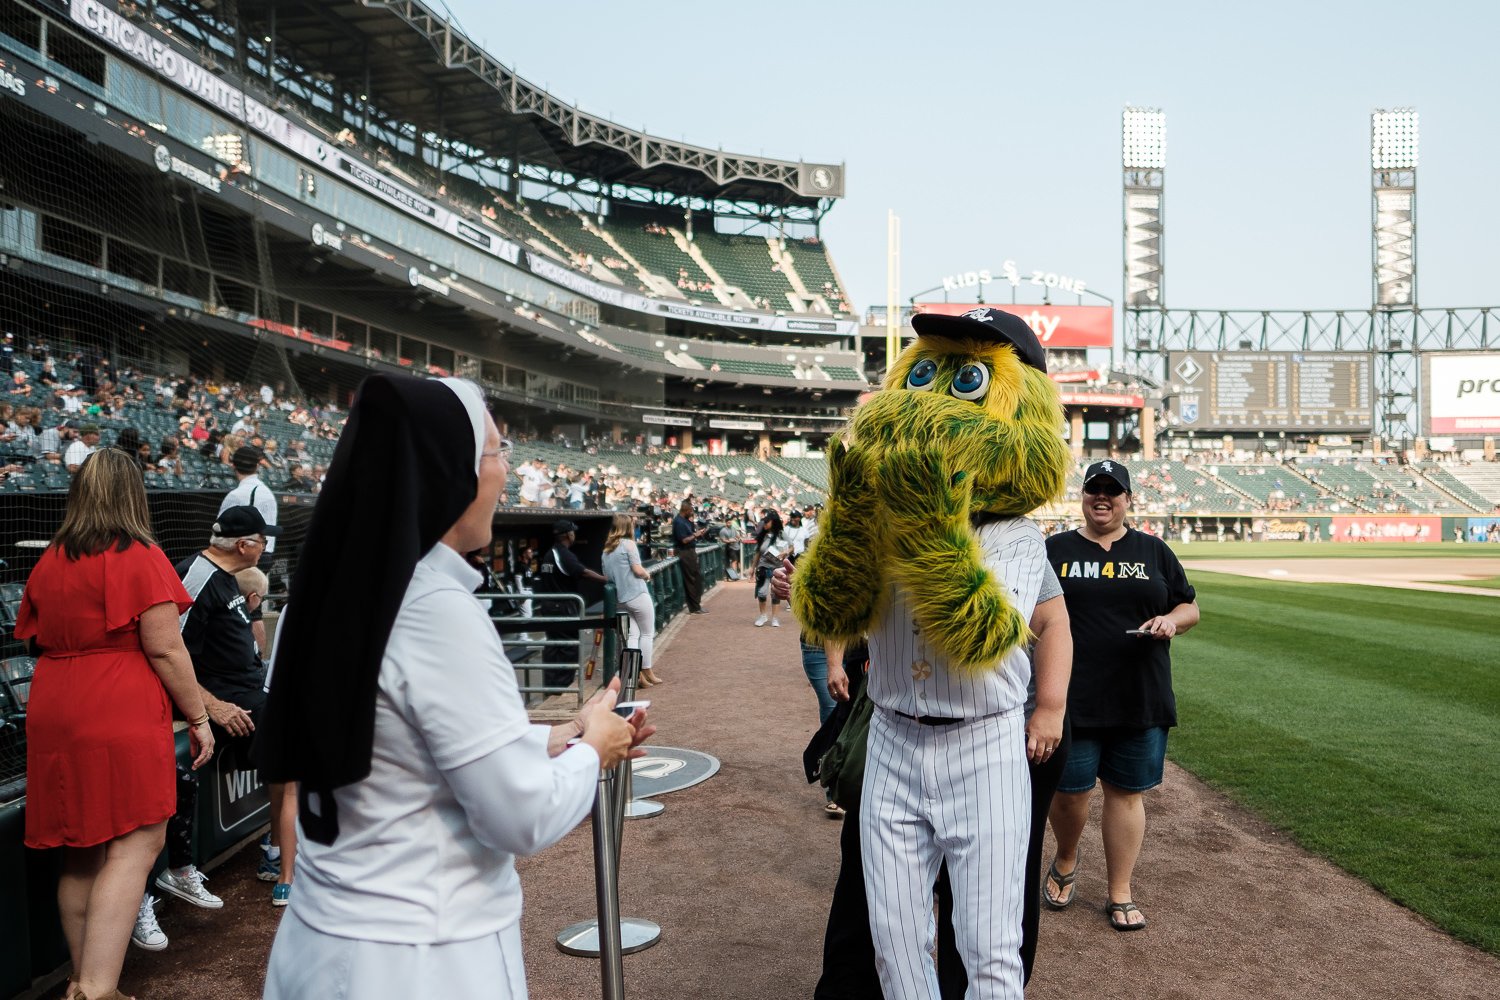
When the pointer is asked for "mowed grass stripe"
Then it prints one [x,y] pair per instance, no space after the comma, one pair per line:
[1364,721]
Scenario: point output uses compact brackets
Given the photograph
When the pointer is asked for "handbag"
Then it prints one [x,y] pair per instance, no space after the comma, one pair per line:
[842,769]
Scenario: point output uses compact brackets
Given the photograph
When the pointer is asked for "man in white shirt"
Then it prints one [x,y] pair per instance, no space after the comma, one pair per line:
[534,482]
[251,492]
[86,445]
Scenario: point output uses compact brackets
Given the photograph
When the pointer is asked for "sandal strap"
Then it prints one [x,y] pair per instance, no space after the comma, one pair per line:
[1063,881]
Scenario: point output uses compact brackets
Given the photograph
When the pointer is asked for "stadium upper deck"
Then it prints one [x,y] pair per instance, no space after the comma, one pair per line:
[364,217]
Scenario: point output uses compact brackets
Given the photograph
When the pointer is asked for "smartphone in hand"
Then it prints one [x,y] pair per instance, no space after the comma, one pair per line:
[1140,633]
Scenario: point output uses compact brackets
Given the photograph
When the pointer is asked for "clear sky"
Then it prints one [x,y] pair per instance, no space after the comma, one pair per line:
[993,128]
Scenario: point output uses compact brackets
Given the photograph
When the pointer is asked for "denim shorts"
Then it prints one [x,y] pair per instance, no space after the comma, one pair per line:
[1130,759]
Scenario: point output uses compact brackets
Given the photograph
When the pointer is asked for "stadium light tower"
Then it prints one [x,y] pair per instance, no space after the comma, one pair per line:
[1393,267]
[1143,155]
[1393,182]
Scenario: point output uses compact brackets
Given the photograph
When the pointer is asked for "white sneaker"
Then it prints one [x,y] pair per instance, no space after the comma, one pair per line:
[761,621]
[188,886]
[148,933]
[776,623]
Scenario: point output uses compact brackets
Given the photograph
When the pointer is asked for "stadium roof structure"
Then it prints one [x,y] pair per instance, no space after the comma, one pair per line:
[419,67]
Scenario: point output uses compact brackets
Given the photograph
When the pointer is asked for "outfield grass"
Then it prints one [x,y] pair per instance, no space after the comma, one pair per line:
[1365,721]
[1334,550]
[1488,582]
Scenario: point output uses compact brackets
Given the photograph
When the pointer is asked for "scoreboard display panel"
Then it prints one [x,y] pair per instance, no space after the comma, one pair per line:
[1272,390]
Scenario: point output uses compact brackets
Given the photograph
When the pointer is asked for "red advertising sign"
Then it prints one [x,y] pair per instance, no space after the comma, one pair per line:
[1055,326]
[1092,375]
[1386,528]
[1124,400]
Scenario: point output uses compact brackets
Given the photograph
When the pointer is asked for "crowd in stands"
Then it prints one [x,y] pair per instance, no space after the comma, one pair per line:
[57,407]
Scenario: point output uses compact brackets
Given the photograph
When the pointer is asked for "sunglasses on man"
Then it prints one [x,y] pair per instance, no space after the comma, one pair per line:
[1103,488]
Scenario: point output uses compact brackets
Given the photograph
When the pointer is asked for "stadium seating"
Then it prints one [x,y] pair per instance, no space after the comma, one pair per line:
[1277,488]
[1164,486]
[745,263]
[1476,483]
[1404,485]
[810,258]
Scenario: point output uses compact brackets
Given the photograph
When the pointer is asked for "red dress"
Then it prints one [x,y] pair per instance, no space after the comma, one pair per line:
[100,758]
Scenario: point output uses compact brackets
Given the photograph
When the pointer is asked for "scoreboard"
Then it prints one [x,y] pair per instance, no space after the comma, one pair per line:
[1272,390]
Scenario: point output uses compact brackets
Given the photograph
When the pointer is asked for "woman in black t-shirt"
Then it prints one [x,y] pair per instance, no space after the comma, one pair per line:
[1127,596]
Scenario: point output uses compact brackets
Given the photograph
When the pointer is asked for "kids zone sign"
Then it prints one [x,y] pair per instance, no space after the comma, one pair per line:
[1055,326]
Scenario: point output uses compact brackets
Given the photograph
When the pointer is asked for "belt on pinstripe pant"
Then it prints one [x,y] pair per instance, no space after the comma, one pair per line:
[930,720]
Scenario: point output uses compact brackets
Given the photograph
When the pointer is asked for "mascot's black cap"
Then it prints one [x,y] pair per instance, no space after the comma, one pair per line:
[985,323]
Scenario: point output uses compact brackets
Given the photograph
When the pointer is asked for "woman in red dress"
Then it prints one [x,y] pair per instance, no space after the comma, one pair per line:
[101,607]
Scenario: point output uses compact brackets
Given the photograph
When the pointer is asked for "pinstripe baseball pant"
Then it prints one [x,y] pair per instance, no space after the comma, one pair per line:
[959,793]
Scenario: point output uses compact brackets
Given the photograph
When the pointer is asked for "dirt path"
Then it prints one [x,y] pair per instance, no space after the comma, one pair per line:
[738,871]
[1417,573]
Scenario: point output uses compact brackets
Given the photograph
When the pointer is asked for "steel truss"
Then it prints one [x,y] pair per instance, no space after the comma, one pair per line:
[1398,338]
[520,97]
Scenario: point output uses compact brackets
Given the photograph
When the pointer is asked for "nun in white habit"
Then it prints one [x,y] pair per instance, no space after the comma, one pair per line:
[393,705]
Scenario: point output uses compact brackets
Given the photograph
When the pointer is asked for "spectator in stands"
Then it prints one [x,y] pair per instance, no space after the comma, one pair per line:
[86,445]
[534,480]
[229,446]
[424,712]
[24,429]
[250,491]
[272,457]
[301,480]
[129,441]
[168,463]
[219,634]
[99,755]
[622,564]
[20,384]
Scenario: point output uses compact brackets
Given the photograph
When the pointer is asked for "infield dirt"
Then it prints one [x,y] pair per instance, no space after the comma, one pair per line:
[738,872]
[1444,575]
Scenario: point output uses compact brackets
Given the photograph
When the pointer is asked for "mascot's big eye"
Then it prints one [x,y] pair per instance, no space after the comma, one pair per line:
[972,382]
[922,374]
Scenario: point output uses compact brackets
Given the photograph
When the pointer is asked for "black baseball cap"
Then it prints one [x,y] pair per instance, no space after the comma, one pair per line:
[241,522]
[246,458]
[1109,469]
[986,324]
[563,527]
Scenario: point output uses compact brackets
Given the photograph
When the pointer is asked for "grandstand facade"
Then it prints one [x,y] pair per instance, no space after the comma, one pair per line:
[304,193]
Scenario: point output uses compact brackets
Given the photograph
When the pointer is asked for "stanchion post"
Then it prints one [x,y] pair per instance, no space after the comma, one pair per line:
[607,887]
[630,806]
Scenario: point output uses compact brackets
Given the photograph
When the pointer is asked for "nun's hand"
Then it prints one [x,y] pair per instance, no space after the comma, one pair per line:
[609,735]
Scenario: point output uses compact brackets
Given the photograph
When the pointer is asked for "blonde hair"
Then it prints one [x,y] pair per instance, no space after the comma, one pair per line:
[106,507]
[620,528]
[252,581]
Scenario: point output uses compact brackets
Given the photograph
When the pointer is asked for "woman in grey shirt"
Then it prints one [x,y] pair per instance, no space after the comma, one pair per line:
[622,564]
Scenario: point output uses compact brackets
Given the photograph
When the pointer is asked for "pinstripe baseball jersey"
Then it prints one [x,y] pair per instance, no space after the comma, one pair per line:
[907,675]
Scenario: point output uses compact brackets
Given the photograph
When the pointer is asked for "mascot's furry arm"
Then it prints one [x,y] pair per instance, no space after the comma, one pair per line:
[837,590]
[959,604]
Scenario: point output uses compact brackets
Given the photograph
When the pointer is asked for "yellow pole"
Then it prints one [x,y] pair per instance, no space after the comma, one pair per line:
[892,288]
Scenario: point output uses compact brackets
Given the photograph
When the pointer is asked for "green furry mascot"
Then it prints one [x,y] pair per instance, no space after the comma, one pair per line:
[967,423]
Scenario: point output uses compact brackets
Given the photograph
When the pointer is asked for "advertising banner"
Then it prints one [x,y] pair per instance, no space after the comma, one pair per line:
[1463,393]
[1126,400]
[1054,326]
[1386,528]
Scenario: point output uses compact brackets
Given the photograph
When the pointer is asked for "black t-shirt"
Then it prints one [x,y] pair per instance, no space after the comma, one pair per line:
[1119,680]
[217,634]
[682,532]
[561,572]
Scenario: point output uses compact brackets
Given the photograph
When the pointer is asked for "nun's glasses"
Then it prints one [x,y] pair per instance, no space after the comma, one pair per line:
[500,451]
